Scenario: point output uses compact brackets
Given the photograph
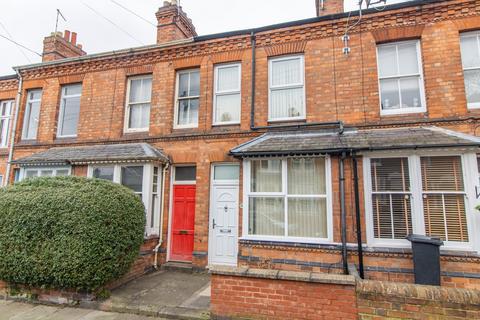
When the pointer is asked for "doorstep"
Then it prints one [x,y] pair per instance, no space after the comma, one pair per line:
[165,293]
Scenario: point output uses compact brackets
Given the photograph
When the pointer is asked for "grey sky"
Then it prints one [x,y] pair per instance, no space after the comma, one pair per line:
[29,21]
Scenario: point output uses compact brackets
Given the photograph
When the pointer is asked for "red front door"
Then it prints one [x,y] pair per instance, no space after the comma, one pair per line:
[183,220]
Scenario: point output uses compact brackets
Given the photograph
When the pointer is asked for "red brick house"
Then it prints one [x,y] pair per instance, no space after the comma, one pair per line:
[274,147]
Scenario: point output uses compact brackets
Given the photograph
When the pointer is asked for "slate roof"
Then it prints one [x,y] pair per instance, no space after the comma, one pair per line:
[329,142]
[91,154]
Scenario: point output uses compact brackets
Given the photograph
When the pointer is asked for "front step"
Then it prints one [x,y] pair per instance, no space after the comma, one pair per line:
[178,266]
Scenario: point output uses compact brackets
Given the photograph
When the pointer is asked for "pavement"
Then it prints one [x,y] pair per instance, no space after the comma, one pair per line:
[22,311]
[160,295]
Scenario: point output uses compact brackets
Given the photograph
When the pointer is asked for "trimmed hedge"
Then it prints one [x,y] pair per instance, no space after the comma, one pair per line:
[68,232]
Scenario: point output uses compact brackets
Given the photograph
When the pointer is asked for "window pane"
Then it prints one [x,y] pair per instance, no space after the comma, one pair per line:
[139,116]
[34,94]
[228,78]
[193,113]
[46,173]
[442,173]
[266,216]
[71,111]
[61,172]
[183,84]
[266,176]
[71,90]
[140,90]
[410,91]
[306,176]
[390,94]
[390,174]
[32,113]
[387,61]
[194,83]
[392,216]
[226,172]
[105,173]
[227,108]
[188,112]
[132,177]
[470,51]
[307,218]
[185,173]
[286,103]
[408,59]
[472,85]
[286,72]
[31,173]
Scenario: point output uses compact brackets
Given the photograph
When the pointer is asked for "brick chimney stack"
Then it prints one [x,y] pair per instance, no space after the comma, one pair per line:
[326,7]
[173,23]
[60,46]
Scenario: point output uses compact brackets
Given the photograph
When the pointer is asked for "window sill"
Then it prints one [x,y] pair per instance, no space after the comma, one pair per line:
[314,244]
[402,112]
[65,139]
[287,120]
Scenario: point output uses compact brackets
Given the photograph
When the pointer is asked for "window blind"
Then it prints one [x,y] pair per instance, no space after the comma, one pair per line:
[444,198]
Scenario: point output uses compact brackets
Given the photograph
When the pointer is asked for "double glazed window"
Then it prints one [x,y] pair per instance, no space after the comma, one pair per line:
[470,47]
[287,199]
[286,88]
[6,108]
[187,99]
[137,116]
[144,180]
[227,100]
[32,114]
[69,110]
[414,194]
[401,78]
[45,172]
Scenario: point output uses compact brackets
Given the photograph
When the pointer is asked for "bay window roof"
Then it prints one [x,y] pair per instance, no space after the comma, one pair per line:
[289,143]
[132,152]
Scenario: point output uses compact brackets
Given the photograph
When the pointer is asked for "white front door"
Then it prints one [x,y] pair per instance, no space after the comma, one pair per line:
[223,235]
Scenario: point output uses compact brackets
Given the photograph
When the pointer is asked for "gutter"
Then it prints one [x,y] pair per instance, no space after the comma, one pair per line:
[14,128]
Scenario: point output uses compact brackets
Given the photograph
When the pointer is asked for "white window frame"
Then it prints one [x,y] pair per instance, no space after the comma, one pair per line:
[290,86]
[24,170]
[28,107]
[217,93]
[63,97]
[423,101]
[5,134]
[471,179]
[185,182]
[285,195]
[128,105]
[476,34]
[147,190]
[177,100]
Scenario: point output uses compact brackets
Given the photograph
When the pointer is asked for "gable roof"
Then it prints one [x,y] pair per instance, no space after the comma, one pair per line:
[329,142]
[132,152]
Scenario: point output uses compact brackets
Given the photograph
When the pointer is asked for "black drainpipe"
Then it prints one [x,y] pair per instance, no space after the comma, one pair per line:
[343,214]
[357,214]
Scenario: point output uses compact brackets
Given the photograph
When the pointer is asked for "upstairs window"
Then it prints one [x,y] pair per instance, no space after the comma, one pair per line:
[287,88]
[69,110]
[470,47]
[227,99]
[187,99]
[32,114]
[6,108]
[401,78]
[137,116]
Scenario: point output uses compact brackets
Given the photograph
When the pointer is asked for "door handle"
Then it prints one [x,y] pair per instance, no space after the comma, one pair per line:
[183,232]
[214,224]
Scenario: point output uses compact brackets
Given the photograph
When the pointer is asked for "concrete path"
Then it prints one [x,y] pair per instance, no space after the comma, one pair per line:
[21,311]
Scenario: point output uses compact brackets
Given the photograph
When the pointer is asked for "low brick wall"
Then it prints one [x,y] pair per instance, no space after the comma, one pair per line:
[380,299]
[239,293]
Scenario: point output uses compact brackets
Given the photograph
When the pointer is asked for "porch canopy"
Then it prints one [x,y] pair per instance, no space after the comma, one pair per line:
[309,142]
[113,153]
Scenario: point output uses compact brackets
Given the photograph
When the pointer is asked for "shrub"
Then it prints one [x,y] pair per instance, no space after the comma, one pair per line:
[68,232]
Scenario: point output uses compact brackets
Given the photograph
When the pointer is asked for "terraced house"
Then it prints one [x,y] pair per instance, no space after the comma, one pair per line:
[278,147]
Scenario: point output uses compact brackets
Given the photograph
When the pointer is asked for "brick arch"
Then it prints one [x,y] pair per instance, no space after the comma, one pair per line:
[467,24]
[286,48]
[397,33]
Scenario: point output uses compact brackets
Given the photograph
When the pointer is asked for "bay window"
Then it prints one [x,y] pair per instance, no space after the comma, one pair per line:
[401,78]
[187,98]
[45,172]
[144,180]
[227,98]
[423,194]
[69,110]
[287,199]
[6,108]
[470,49]
[32,114]
[137,113]
[286,88]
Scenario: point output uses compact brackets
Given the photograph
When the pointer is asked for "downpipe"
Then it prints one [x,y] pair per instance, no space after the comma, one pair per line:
[343,214]
[14,128]
[160,239]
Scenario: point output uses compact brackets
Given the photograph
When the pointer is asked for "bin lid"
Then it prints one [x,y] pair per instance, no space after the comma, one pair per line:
[424,239]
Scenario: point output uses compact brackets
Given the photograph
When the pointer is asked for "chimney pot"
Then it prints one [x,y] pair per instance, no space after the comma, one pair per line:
[66,35]
[74,38]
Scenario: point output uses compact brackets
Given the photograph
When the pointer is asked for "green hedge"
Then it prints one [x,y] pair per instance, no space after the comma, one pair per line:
[68,232]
